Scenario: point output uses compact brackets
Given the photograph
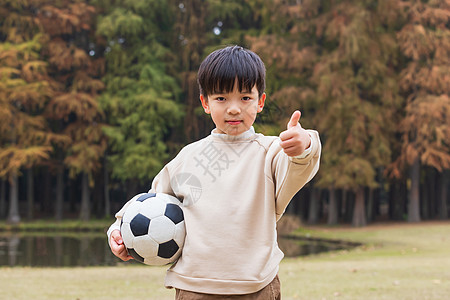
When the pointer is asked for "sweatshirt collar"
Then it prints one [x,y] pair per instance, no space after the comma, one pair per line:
[241,137]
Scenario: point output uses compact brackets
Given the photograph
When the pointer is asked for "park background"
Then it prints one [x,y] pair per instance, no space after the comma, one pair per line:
[96,96]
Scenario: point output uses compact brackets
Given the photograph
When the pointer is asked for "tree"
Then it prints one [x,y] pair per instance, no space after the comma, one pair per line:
[75,71]
[24,91]
[354,86]
[192,32]
[425,129]
[140,99]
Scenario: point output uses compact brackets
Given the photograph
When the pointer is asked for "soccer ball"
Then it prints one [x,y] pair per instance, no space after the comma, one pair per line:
[153,229]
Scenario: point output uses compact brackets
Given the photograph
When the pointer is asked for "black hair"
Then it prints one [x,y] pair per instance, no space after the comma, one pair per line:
[220,69]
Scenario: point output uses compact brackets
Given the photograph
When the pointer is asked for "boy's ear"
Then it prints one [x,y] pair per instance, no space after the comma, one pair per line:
[205,104]
[261,102]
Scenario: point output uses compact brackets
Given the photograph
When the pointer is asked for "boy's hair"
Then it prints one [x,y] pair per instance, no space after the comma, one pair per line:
[220,69]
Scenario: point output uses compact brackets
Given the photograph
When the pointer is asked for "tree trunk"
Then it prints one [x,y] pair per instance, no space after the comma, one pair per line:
[13,214]
[131,188]
[106,189]
[443,208]
[46,203]
[371,208]
[59,205]
[72,186]
[432,183]
[414,201]
[333,212]
[2,198]
[30,194]
[395,210]
[424,196]
[85,201]
[359,210]
[314,204]
[301,206]
[403,194]
[348,205]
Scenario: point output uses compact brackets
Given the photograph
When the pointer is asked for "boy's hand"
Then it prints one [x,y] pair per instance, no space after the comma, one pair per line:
[118,247]
[295,139]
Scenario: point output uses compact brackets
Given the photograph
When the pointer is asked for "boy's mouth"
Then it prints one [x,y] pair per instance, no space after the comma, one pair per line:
[233,122]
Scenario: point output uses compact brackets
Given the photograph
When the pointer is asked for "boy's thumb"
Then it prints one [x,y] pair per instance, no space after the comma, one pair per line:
[294,119]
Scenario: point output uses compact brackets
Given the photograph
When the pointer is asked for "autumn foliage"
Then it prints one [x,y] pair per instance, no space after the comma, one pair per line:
[101,94]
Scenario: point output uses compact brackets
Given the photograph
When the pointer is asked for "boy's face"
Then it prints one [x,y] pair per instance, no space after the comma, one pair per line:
[235,112]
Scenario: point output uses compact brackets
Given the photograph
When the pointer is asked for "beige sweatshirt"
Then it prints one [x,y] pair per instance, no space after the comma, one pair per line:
[234,189]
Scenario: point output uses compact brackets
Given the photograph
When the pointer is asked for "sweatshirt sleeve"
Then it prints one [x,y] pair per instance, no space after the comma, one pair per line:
[290,174]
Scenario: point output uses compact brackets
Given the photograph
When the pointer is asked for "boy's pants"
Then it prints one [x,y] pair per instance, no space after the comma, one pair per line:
[271,292]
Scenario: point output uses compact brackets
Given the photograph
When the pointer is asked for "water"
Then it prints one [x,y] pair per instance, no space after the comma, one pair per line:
[55,250]
[69,250]
[294,246]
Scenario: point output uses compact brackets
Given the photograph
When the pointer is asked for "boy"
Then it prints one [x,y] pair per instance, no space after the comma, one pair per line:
[234,184]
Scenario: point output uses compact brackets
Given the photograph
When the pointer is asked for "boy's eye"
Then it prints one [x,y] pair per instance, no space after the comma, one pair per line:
[220,98]
[246,98]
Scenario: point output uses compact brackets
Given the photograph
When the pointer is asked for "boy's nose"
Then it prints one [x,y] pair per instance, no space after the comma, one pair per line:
[233,109]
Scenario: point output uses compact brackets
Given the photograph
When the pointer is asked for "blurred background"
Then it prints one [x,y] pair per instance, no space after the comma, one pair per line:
[96,96]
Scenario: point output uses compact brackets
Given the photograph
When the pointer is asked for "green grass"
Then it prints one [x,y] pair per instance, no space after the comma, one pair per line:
[397,261]
[400,261]
[52,225]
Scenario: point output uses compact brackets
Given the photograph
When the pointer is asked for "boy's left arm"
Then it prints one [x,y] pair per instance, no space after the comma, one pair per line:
[302,148]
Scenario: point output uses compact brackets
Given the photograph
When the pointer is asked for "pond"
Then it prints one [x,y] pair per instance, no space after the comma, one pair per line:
[71,249]
[54,250]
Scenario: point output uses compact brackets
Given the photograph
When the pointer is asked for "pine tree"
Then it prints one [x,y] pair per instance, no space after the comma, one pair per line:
[24,91]
[200,28]
[140,99]
[75,71]
[191,43]
[352,89]
[425,129]
[289,56]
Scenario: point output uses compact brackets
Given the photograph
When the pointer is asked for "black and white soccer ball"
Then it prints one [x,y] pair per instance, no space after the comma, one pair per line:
[153,229]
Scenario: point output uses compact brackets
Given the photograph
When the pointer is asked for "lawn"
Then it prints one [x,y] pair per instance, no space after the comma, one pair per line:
[396,261]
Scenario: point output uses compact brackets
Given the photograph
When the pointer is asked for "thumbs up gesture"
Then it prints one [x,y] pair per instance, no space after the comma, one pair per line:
[295,139]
